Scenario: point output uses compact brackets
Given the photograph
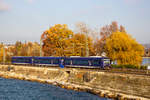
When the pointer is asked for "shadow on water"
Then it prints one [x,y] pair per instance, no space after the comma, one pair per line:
[11,89]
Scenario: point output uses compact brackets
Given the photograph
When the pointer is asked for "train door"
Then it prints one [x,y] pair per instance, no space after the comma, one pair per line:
[102,63]
[61,65]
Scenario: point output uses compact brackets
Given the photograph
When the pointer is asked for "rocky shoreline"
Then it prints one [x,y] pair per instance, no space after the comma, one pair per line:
[69,79]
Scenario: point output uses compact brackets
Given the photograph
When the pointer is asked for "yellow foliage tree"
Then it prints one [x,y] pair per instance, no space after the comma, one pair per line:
[79,44]
[2,48]
[55,40]
[122,47]
[19,49]
[105,32]
[1,52]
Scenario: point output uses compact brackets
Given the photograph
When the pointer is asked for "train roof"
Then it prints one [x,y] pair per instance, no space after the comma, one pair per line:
[79,57]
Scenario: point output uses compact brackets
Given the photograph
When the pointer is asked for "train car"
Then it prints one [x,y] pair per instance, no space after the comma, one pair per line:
[52,61]
[21,60]
[85,62]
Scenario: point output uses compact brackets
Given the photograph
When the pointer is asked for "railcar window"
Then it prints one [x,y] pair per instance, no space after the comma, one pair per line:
[43,61]
[36,60]
[67,62]
[56,61]
[85,62]
[19,60]
[106,61]
[75,62]
[96,62]
[80,62]
[27,60]
[22,60]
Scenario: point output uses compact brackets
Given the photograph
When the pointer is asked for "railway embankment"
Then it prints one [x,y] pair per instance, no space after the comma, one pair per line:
[104,84]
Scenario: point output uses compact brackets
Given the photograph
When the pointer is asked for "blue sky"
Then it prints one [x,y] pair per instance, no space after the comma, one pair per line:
[27,19]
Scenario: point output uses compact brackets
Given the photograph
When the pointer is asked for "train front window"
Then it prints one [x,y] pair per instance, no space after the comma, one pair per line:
[106,61]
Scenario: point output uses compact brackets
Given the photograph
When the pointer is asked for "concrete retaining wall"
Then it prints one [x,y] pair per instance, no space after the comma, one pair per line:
[110,85]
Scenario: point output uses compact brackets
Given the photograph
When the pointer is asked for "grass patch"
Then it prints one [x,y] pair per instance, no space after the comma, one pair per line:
[129,66]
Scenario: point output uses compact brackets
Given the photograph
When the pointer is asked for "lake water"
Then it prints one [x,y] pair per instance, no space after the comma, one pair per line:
[146,61]
[11,89]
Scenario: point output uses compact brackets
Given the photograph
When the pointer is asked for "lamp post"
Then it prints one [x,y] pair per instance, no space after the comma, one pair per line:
[87,48]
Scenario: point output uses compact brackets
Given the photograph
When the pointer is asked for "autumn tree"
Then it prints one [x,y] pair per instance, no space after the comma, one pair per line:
[90,36]
[9,52]
[122,47]
[30,49]
[83,29]
[34,49]
[78,45]
[1,52]
[4,49]
[105,32]
[24,49]
[56,39]
[97,47]
[17,48]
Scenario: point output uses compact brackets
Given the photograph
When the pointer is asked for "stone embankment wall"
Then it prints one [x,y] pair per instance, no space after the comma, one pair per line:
[109,85]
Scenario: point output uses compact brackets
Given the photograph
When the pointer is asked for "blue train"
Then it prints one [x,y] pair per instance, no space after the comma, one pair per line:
[85,62]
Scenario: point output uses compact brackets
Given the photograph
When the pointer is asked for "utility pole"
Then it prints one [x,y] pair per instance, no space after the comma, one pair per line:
[87,48]
[73,50]
[41,54]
